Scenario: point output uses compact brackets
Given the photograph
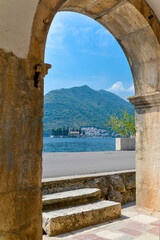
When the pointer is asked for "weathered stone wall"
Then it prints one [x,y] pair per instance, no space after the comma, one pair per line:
[118,186]
[21,109]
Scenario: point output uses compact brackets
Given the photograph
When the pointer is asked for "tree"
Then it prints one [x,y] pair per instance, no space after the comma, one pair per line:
[124,126]
[60,131]
[67,131]
[53,131]
[64,131]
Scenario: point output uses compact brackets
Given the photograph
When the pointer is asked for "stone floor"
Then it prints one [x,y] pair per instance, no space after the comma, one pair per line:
[132,225]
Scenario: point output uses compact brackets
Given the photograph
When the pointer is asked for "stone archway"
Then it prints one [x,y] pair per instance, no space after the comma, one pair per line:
[137,29]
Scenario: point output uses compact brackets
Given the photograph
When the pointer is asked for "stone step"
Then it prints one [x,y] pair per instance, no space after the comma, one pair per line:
[61,221]
[70,198]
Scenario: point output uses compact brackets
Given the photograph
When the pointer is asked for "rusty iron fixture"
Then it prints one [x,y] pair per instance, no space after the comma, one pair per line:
[38,71]
[150,17]
[46,20]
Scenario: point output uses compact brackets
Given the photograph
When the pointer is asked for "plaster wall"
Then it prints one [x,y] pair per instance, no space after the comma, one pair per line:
[16,24]
[155,5]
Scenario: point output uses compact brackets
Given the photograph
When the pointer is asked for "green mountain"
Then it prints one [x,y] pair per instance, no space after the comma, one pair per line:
[80,106]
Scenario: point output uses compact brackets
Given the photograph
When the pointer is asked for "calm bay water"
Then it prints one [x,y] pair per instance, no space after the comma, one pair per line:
[78,144]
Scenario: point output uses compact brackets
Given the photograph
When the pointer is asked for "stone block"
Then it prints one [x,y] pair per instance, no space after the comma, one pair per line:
[70,198]
[125,144]
[61,221]
[141,53]
[123,20]
[100,6]
[100,183]
[130,183]
[52,4]
[128,196]
[115,196]
[78,4]
[151,71]
[116,183]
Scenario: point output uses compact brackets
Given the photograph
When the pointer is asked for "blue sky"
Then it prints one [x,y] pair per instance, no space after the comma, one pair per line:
[82,52]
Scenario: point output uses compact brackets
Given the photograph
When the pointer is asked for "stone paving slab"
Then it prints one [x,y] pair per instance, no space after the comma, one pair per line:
[143,218]
[132,225]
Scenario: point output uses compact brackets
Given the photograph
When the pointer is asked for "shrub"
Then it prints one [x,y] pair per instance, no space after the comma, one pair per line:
[124,125]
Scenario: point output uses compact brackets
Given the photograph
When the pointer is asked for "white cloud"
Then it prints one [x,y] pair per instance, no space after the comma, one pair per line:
[131,88]
[119,89]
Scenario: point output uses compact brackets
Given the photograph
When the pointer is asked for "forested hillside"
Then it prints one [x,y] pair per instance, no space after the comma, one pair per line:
[80,106]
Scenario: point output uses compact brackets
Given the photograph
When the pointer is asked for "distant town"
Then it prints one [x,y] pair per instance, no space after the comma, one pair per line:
[81,132]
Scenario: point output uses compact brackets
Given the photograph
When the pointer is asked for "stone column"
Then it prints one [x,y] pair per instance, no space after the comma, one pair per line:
[21,139]
[147,110]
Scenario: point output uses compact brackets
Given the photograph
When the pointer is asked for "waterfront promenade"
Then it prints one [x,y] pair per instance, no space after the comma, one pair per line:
[77,163]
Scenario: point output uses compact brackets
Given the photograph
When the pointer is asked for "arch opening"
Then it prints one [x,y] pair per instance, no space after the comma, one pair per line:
[138,34]
[75,62]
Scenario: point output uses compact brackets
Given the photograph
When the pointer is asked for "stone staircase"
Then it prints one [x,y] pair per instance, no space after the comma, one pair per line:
[70,210]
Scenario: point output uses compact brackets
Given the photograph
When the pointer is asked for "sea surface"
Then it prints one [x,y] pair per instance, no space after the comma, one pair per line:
[78,144]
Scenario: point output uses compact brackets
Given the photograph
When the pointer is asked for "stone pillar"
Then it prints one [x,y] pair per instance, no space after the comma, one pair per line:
[147,110]
[21,111]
